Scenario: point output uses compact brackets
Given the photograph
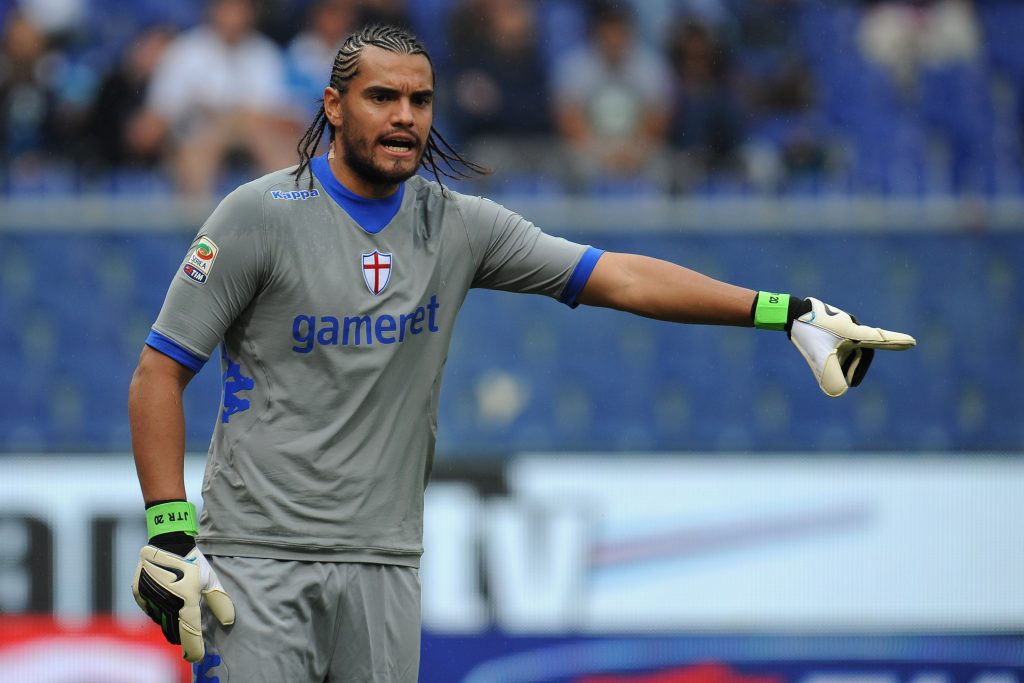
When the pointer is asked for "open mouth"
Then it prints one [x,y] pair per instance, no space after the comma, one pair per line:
[398,145]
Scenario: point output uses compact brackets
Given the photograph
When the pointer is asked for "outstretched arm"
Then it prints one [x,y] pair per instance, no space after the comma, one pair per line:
[837,348]
[658,289]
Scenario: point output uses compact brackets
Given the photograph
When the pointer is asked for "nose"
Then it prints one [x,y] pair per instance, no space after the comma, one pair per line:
[401,114]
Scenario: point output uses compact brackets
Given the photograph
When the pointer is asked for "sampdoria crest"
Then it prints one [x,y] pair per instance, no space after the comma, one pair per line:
[376,271]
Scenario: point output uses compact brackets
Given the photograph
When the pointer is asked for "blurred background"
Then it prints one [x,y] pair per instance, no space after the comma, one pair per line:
[614,499]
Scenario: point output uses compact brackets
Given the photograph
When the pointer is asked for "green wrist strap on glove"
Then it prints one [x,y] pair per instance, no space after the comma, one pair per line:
[177,515]
[771,311]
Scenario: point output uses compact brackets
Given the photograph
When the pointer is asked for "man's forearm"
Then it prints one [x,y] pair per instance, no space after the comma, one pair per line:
[666,291]
[158,426]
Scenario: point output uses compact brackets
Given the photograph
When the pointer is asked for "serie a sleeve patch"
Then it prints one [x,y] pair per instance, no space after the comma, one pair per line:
[200,259]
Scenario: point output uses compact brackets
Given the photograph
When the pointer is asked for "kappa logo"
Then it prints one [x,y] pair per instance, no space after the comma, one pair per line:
[200,258]
[297,195]
[377,267]
[234,382]
[203,672]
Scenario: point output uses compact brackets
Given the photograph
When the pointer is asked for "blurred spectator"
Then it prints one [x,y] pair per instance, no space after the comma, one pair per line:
[783,109]
[310,54]
[385,12]
[905,35]
[500,82]
[501,108]
[30,125]
[785,137]
[54,17]
[612,102]
[657,20]
[707,123]
[6,10]
[219,95]
[282,20]
[112,136]
[769,28]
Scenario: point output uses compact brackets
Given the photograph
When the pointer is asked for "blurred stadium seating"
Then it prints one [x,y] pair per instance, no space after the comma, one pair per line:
[75,305]
[526,374]
[959,132]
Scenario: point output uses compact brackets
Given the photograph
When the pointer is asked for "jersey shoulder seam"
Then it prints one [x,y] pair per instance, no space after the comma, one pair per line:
[465,229]
[433,188]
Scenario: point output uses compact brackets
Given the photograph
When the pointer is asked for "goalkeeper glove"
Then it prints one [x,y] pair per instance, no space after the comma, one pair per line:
[172,575]
[838,349]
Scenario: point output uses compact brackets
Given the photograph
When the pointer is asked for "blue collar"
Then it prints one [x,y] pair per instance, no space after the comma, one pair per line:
[372,215]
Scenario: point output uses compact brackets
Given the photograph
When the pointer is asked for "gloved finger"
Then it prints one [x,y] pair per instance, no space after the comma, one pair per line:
[842,325]
[161,604]
[849,354]
[217,598]
[157,616]
[220,605]
[135,589]
[167,622]
[833,379]
[877,338]
[192,647]
[859,369]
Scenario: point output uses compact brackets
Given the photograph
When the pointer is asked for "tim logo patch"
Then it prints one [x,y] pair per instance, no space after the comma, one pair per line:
[376,271]
[200,258]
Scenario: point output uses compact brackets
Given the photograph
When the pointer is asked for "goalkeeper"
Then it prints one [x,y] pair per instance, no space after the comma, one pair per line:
[331,290]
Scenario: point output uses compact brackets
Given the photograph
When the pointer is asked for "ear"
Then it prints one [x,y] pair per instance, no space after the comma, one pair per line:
[332,106]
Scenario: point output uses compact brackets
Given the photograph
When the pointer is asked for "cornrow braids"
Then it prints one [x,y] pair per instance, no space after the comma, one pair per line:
[346,66]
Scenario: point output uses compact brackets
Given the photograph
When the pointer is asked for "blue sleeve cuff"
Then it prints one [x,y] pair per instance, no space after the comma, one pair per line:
[173,349]
[579,277]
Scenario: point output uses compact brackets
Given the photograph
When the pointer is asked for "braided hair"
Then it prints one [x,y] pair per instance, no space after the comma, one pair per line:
[346,67]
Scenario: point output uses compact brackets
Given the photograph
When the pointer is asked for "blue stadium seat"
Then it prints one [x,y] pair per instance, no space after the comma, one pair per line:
[513,185]
[57,179]
[24,409]
[1001,21]
[563,27]
[956,101]
[430,19]
[136,182]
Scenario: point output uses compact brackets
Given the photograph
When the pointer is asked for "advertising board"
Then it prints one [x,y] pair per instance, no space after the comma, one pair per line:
[596,570]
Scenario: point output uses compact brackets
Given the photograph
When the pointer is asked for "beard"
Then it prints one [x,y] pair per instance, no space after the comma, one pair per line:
[358,155]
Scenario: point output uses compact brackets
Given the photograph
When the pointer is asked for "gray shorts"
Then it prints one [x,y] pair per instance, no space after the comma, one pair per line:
[311,622]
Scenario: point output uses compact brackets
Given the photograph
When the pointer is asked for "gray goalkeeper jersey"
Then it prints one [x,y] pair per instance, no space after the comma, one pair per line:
[333,315]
